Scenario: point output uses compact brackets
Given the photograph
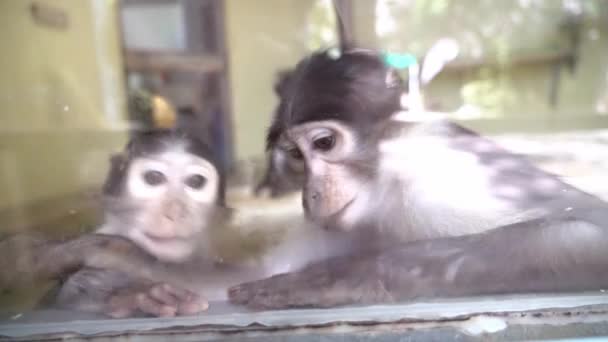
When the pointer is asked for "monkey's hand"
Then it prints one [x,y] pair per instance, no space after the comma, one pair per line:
[413,270]
[155,299]
[334,282]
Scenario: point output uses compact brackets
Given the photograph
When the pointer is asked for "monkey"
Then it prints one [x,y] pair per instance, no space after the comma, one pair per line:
[431,208]
[145,222]
[165,194]
[162,193]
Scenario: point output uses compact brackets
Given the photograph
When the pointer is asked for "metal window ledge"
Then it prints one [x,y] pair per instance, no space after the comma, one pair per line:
[532,316]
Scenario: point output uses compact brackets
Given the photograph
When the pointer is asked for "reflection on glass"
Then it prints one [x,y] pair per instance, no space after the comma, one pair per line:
[82,79]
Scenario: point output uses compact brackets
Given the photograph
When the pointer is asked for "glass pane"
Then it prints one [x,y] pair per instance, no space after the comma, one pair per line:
[214,143]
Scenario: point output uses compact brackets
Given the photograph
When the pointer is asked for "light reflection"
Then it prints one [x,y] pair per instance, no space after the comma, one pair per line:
[385,22]
[321,27]
[469,193]
[474,92]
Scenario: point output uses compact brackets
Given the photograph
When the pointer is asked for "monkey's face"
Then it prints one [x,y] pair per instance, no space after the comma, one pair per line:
[172,196]
[328,119]
[324,151]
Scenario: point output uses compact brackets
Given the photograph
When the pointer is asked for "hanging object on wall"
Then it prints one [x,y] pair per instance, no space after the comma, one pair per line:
[49,16]
[150,111]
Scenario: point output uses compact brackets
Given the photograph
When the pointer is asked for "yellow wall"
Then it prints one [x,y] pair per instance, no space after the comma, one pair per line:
[263,37]
[62,100]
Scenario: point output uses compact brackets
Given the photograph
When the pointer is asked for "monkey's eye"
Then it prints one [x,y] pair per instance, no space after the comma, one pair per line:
[295,153]
[153,177]
[324,143]
[196,181]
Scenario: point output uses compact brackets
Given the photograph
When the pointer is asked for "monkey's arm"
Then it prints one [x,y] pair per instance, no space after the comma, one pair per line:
[90,290]
[27,258]
[558,254]
[116,276]
[120,295]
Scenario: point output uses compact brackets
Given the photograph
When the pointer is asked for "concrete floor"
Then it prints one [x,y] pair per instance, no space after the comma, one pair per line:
[579,158]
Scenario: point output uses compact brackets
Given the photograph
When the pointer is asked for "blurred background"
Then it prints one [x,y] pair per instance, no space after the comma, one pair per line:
[78,76]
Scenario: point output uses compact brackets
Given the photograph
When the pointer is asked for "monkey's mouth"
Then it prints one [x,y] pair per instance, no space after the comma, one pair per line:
[333,220]
[164,240]
[169,249]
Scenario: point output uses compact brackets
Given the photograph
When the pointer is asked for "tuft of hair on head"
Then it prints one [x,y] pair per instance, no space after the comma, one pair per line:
[357,88]
[154,141]
[282,81]
[158,140]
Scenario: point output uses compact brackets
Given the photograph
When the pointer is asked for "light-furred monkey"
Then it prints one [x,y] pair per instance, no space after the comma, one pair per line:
[432,208]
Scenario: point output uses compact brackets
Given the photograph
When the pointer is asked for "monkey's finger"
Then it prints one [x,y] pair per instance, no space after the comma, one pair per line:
[150,306]
[122,312]
[121,306]
[193,307]
[187,303]
[243,293]
[179,293]
[162,293]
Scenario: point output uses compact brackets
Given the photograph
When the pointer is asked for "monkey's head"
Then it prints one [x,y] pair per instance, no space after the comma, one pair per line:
[163,192]
[327,124]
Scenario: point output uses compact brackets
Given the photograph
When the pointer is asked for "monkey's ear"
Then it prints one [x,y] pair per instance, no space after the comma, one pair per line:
[116,174]
[282,80]
[116,158]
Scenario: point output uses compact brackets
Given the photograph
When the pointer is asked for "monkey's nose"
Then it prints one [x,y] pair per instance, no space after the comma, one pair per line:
[175,210]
